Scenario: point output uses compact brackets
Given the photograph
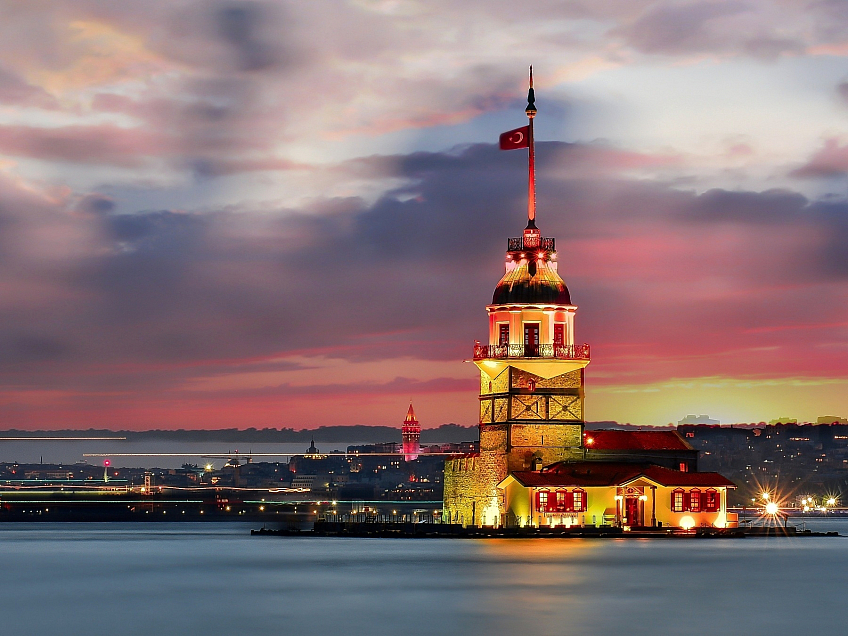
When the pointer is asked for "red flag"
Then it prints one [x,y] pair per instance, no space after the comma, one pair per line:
[514,139]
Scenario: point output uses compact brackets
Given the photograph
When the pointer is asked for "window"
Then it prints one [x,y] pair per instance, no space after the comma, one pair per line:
[503,335]
[684,467]
[695,500]
[579,500]
[678,501]
[542,501]
[712,500]
[562,500]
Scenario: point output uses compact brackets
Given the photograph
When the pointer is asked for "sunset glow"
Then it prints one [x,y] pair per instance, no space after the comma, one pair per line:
[293,214]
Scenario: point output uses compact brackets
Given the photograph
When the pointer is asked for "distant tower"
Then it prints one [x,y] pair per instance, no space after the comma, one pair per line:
[411,436]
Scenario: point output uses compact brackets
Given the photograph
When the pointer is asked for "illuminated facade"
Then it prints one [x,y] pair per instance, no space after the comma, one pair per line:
[531,414]
[411,436]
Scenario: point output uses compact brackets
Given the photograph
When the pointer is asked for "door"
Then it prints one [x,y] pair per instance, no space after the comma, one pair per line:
[559,340]
[503,335]
[631,512]
[531,339]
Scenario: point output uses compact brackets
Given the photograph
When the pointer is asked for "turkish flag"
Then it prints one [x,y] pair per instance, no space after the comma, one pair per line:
[514,139]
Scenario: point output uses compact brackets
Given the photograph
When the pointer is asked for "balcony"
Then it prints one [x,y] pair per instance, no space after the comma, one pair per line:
[518,244]
[555,352]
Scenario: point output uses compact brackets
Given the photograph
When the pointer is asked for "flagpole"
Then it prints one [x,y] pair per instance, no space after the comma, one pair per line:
[531,153]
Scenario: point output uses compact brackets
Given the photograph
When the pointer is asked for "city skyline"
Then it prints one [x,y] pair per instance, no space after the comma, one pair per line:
[272,214]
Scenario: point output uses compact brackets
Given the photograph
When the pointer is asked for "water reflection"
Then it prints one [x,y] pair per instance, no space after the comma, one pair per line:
[214,578]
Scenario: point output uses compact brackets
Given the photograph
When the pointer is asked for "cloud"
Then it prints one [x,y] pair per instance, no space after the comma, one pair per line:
[682,28]
[15,90]
[829,161]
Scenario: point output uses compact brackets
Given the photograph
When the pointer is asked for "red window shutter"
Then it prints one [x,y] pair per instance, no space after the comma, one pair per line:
[569,501]
[686,501]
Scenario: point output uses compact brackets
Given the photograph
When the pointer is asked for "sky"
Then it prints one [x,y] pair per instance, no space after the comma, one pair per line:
[266,214]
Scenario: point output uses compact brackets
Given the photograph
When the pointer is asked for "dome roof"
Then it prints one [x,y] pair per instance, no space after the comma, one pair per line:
[531,283]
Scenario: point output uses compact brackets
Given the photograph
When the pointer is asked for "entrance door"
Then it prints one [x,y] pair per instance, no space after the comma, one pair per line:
[631,512]
[531,339]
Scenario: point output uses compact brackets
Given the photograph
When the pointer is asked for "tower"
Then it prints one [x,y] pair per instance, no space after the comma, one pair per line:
[411,436]
[531,370]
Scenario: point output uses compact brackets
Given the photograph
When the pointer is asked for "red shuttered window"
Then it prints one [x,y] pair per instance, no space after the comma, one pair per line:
[579,500]
[712,500]
[562,500]
[695,500]
[678,500]
[542,501]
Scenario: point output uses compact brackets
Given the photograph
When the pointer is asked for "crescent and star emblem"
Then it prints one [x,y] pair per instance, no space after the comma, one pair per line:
[517,137]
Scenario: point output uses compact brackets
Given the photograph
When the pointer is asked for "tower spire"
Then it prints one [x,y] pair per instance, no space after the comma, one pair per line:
[531,163]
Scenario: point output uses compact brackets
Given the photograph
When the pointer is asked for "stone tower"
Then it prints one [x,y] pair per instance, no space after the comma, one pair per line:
[531,372]
[411,436]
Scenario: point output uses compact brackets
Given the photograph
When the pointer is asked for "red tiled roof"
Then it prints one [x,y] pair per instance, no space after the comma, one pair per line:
[669,477]
[615,474]
[635,440]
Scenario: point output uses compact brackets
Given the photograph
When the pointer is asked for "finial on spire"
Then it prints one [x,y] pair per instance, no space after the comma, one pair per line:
[531,98]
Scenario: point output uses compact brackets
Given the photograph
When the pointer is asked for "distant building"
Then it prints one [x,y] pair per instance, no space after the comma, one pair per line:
[783,420]
[831,419]
[312,452]
[411,436]
[697,419]
[303,482]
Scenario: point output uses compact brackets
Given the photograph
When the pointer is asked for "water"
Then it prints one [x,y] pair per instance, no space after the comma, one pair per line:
[214,579]
[70,451]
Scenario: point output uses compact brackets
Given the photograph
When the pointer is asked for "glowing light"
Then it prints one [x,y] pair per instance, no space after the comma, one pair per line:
[804,501]
[208,466]
[618,497]
[765,496]
[831,502]
[643,497]
[107,463]
[590,441]
[772,508]
[687,523]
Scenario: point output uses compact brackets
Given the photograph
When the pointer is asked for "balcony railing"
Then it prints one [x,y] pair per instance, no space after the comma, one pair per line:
[556,352]
[516,244]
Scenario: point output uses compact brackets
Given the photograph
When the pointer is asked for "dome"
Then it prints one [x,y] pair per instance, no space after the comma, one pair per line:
[531,282]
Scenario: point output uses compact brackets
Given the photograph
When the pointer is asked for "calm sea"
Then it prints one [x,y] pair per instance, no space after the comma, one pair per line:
[148,453]
[216,579]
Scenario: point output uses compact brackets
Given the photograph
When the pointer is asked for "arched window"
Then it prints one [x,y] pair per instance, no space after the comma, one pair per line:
[695,500]
[712,500]
[542,500]
[678,500]
[578,497]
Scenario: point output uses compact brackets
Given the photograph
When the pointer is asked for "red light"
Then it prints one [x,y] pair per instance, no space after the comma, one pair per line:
[107,463]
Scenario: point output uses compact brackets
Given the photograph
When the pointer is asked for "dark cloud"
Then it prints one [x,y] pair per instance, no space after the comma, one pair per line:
[241,25]
[679,28]
[770,206]
[15,90]
[395,277]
